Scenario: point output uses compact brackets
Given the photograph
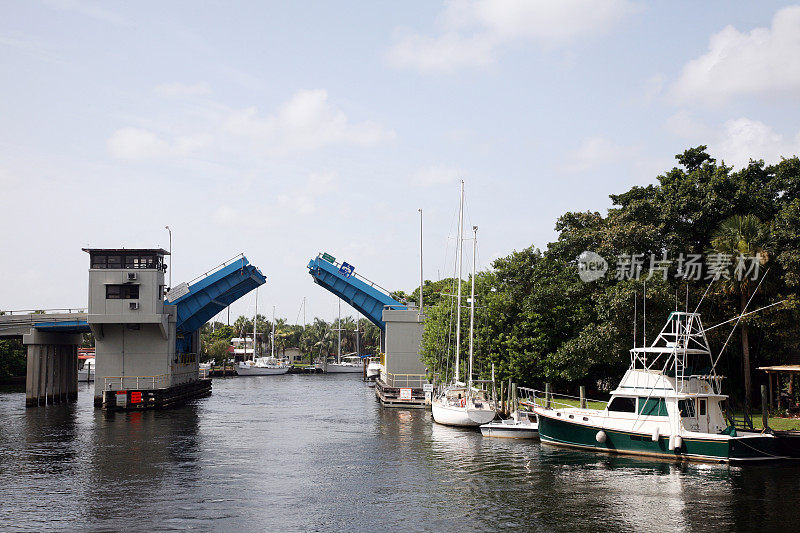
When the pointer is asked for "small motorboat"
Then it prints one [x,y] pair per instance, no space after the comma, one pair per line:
[517,427]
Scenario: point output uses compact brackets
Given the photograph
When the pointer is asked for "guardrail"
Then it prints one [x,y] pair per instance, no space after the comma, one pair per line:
[357,275]
[219,266]
[414,381]
[17,312]
[161,381]
[548,399]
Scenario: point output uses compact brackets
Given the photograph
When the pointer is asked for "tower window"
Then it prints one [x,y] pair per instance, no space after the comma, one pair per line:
[122,292]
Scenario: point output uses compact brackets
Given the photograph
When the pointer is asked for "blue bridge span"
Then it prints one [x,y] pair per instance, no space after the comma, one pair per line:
[366,296]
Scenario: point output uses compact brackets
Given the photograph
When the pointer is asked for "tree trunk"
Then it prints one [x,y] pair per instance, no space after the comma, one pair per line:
[746,357]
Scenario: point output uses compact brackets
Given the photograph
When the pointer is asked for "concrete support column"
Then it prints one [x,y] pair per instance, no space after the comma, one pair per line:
[33,376]
[52,374]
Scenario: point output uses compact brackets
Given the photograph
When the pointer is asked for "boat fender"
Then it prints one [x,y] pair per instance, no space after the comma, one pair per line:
[656,435]
[671,443]
[600,437]
[678,442]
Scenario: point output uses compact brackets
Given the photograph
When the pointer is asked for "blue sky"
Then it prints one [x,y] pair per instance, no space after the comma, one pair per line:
[282,129]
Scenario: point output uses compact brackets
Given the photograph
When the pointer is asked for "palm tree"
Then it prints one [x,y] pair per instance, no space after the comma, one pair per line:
[741,236]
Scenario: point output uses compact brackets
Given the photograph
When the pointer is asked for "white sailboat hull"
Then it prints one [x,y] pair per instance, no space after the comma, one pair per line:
[335,368]
[251,370]
[460,416]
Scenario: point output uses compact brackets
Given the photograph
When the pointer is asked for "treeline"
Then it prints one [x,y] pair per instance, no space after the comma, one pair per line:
[538,322]
[318,338]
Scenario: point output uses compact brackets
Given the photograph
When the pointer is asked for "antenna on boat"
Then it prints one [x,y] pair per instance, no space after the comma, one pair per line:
[644,313]
[635,305]
[739,319]
[460,263]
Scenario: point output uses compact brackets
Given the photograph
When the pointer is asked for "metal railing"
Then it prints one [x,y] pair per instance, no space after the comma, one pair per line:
[17,312]
[219,266]
[549,400]
[161,381]
[414,381]
[357,275]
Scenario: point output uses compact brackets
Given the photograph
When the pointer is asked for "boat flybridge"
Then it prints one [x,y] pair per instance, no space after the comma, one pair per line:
[668,404]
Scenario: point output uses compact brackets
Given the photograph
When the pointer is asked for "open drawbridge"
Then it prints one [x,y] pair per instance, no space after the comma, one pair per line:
[197,302]
[205,297]
[367,297]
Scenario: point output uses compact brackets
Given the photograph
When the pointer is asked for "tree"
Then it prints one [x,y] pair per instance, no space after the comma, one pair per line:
[741,237]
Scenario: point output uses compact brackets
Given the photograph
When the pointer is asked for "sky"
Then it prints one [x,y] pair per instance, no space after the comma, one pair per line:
[285,129]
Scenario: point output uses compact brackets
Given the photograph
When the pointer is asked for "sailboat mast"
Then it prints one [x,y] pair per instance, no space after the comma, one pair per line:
[255,321]
[420,261]
[273,332]
[472,306]
[460,261]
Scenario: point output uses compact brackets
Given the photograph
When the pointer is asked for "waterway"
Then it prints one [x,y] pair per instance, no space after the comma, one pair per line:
[318,453]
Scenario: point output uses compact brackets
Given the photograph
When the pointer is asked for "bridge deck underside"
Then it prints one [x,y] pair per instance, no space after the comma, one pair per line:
[209,296]
[368,300]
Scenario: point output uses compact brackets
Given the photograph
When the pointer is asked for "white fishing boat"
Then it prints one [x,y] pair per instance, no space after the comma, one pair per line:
[519,426]
[668,404]
[463,404]
[374,368]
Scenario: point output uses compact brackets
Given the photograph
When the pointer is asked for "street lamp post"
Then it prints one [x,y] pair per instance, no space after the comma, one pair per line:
[170,255]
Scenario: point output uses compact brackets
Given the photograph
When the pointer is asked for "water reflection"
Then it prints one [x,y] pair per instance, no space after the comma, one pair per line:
[318,453]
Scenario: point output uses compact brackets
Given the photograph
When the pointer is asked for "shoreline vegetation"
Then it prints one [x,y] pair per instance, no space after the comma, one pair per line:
[537,322]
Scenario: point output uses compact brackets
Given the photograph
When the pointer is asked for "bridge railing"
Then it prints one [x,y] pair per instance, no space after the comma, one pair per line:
[414,381]
[20,312]
[210,271]
[357,275]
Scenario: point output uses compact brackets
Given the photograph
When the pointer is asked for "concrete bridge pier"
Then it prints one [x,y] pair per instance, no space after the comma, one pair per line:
[52,375]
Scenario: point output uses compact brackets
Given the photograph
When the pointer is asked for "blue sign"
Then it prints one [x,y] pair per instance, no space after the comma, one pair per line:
[346,269]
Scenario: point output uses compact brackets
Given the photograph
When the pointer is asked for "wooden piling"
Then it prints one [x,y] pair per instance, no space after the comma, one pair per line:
[502,397]
[508,399]
[583,396]
[764,407]
[547,396]
[514,403]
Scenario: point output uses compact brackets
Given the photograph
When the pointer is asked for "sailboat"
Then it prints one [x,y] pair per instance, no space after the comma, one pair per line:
[262,366]
[463,404]
[348,363]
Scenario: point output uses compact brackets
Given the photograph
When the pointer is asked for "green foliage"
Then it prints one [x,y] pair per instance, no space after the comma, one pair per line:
[538,322]
[12,358]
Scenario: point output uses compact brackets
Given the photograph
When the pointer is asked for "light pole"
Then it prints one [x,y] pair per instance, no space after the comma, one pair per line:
[170,255]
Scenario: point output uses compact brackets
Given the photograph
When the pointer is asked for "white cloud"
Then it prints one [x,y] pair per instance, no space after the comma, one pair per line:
[225,215]
[685,125]
[473,30]
[744,139]
[301,200]
[435,175]
[596,152]
[182,90]
[137,144]
[763,61]
[306,122]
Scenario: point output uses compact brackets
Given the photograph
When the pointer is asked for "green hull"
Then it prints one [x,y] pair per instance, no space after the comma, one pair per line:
[565,433]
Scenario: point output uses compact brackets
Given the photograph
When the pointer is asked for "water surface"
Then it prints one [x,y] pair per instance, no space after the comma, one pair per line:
[318,453]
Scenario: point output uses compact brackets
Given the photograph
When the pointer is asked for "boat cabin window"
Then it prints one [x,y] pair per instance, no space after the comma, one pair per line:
[652,407]
[686,408]
[622,404]
[701,406]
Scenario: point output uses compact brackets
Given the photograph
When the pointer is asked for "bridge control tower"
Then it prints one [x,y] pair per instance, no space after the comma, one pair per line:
[136,340]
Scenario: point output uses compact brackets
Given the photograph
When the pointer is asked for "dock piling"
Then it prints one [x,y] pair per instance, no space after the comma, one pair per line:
[583,396]
[547,396]
[764,408]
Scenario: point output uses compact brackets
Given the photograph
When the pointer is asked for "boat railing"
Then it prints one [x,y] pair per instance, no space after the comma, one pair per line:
[405,381]
[529,398]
